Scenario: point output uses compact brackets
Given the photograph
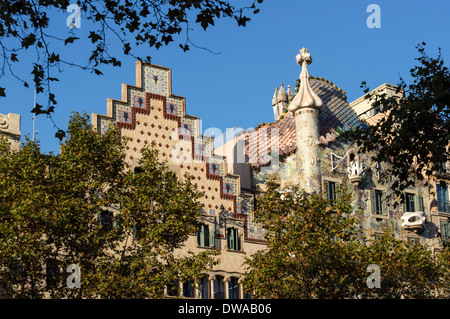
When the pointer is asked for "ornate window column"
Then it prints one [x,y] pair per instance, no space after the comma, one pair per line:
[226,285]
[211,279]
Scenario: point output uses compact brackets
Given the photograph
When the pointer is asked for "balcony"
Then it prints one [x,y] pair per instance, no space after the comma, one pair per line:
[442,170]
[414,221]
[443,206]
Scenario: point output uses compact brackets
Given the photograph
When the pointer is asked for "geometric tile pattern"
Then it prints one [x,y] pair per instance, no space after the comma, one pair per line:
[149,112]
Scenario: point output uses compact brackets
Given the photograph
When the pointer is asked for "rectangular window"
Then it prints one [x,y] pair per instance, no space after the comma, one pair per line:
[205,236]
[233,240]
[219,288]
[172,289]
[445,231]
[233,288]
[203,288]
[53,273]
[379,203]
[442,198]
[413,203]
[331,191]
[410,203]
[188,289]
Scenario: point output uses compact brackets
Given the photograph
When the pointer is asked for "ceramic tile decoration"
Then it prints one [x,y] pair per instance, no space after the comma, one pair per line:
[305,137]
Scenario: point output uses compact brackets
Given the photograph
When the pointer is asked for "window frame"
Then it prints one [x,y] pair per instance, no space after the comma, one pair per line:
[380,194]
[443,204]
[326,186]
[233,239]
[206,236]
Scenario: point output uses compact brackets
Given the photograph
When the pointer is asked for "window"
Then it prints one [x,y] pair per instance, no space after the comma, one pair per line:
[410,203]
[219,288]
[203,288]
[233,239]
[445,231]
[205,236]
[233,288]
[188,289]
[53,273]
[105,219]
[331,191]
[413,203]
[379,203]
[442,198]
[172,289]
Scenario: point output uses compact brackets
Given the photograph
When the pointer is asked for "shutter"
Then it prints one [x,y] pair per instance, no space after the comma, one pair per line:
[230,238]
[337,191]
[416,202]
[384,203]
[420,206]
[373,203]
[444,230]
[325,189]
[212,237]
[445,199]
[439,197]
[404,203]
[238,238]
[202,235]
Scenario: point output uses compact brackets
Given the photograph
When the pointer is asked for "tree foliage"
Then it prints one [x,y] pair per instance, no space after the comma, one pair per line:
[85,206]
[413,135]
[318,250]
[28,26]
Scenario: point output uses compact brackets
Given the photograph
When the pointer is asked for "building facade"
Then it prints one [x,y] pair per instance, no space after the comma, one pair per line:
[10,129]
[301,147]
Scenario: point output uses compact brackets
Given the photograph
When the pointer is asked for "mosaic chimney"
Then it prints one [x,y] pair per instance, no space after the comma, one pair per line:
[305,107]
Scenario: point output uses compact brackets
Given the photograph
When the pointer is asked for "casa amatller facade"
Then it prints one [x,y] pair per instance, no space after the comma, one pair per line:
[301,147]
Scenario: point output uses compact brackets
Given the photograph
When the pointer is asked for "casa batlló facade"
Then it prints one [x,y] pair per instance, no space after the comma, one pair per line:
[301,147]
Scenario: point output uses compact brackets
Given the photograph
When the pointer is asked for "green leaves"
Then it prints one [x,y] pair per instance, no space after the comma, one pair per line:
[131,23]
[412,136]
[318,251]
[83,206]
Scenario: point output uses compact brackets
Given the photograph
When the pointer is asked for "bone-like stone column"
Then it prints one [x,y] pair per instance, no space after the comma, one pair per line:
[306,107]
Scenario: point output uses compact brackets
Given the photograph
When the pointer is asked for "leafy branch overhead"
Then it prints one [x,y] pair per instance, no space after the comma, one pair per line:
[412,135]
[27,27]
[86,206]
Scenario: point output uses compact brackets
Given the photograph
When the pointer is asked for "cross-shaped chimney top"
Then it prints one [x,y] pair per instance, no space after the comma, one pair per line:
[305,96]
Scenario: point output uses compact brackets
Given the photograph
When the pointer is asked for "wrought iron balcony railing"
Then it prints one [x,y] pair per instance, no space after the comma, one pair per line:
[444,206]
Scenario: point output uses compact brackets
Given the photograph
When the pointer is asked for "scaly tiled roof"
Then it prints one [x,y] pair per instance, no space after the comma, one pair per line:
[335,117]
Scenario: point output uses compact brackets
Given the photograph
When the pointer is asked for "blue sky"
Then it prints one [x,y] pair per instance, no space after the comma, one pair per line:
[235,88]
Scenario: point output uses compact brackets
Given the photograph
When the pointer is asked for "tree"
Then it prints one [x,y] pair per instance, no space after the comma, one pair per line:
[26,26]
[413,135]
[406,270]
[316,250]
[312,249]
[85,206]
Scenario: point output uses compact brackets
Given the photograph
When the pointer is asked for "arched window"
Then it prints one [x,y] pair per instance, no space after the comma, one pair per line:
[219,288]
[203,288]
[233,288]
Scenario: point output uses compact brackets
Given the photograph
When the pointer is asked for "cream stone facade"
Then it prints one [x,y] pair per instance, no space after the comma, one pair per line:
[10,128]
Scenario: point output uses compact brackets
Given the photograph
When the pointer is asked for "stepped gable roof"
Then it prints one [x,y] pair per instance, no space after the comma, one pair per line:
[336,116]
